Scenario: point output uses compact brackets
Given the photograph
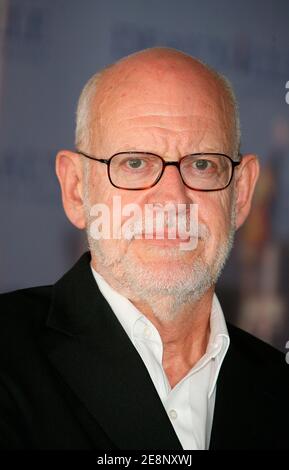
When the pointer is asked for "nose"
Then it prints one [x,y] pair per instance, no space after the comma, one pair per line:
[171,187]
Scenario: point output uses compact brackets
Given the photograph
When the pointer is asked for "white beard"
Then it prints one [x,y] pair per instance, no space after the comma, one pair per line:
[172,284]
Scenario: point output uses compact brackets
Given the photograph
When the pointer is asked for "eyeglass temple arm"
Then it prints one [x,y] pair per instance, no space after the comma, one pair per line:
[240,155]
[102,160]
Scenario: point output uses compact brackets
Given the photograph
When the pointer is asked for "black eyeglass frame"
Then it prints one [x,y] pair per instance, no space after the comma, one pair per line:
[164,165]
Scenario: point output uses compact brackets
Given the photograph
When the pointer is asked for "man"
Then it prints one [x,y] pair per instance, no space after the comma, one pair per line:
[130,349]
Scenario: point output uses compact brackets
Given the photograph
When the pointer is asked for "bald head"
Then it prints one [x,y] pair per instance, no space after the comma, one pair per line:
[159,76]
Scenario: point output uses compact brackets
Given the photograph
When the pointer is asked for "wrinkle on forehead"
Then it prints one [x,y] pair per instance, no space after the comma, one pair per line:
[174,124]
[167,142]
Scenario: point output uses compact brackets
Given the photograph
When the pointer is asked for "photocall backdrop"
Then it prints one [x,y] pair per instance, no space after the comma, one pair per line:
[48,50]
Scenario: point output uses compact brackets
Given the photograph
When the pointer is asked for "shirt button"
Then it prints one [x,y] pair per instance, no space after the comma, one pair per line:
[173,414]
[147,332]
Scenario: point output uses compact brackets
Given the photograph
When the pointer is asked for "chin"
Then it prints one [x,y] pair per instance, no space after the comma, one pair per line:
[167,274]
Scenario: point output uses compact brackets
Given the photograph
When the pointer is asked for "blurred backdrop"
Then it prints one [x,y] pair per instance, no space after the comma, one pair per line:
[49,48]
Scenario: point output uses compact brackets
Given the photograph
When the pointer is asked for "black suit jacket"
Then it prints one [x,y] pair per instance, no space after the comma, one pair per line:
[71,379]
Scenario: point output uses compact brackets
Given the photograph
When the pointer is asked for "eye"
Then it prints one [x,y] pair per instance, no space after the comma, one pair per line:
[202,164]
[135,163]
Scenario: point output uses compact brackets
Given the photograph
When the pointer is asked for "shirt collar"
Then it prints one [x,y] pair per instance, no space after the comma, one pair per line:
[218,328]
[219,341]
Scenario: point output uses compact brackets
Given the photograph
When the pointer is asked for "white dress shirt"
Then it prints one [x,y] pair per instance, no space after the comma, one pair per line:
[190,404]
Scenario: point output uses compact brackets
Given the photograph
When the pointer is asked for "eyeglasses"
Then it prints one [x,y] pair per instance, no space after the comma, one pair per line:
[142,170]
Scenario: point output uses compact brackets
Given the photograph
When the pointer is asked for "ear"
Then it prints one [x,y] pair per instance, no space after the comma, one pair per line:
[70,175]
[246,179]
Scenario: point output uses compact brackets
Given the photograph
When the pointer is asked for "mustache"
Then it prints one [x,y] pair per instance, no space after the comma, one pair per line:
[163,223]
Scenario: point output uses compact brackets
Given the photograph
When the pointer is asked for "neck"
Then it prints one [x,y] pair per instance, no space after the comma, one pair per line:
[185,337]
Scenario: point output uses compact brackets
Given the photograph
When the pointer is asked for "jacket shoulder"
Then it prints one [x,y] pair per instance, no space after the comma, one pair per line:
[254,348]
[24,307]
[266,365]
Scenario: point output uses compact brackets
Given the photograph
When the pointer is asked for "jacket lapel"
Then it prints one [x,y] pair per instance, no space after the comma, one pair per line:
[93,355]
[230,423]
[244,407]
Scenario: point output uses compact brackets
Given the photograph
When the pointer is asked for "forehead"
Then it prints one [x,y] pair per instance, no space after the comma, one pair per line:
[158,102]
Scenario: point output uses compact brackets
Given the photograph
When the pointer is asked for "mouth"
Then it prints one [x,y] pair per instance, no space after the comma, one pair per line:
[165,239]
[166,233]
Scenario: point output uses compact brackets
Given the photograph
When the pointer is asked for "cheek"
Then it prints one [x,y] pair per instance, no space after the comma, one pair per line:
[215,213]
[107,205]
[100,188]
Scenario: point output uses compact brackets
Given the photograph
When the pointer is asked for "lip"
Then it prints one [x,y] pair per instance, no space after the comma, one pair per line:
[157,238]
[164,234]
[165,241]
